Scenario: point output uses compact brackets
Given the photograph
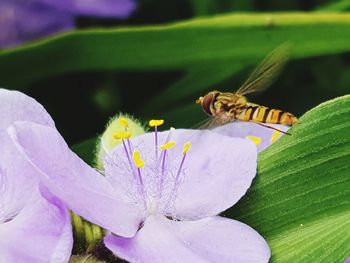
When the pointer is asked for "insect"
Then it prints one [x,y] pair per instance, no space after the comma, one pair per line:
[224,107]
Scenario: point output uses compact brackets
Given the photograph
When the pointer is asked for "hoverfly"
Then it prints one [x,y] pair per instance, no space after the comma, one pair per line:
[224,107]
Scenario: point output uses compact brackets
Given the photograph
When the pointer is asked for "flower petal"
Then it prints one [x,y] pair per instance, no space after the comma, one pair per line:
[79,186]
[215,239]
[264,135]
[106,8]
[218,171]
[26,20]
[16,106]
[98,8]
[41,232]
[17,179]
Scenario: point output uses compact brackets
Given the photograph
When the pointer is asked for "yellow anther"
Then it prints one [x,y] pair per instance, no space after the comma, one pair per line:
[122,135]
[124,122]
[167,145]
[155,123]
[275,136]
[187,146]
[254,139]
[137,159]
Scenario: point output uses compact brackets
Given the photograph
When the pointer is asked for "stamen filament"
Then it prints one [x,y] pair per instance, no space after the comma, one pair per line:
[186,148]
[122,136]
[129,158]
[167,140]
[156,141]
[155,124]
[139,164]
[164,147]
[180,168]
[162,176]
[142,188]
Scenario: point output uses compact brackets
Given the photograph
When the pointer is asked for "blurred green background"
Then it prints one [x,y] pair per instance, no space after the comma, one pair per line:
[153,79]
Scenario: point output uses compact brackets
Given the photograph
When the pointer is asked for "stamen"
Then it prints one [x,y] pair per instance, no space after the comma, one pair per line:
[139,164]
[275,136]
[122,135]
[124,122]
[186,148]
[158,161]
[254,139]
[155,124]
[137,159]
[165,148]
[168,145]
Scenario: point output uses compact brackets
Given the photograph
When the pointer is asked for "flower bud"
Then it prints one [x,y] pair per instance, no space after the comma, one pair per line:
[119,124]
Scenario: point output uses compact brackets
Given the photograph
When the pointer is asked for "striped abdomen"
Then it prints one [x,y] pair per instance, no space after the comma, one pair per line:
[256,113]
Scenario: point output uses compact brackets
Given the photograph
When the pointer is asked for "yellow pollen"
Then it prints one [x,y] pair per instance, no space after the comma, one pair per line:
[275,136]
[155,123]
[123,122]
[187,146]
[254,139]
[137,159]
[167,145]
[122,135]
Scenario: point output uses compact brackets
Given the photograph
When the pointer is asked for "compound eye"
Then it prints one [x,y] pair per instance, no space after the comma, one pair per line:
[207,103]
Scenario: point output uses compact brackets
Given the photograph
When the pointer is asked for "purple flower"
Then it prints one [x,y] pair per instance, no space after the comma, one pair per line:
[34,225]
[31,19]
[262,137]
[347,260]
[158,198]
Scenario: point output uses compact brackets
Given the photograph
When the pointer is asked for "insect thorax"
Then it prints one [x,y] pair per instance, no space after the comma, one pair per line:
[226,101]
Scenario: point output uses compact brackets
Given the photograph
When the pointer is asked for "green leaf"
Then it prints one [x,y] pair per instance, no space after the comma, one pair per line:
[183,45]
[338,6]
[300,199]
[84,259]
[192,84]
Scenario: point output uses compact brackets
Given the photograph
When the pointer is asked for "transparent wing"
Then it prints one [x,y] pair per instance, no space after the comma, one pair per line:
[212,122]
[265,74]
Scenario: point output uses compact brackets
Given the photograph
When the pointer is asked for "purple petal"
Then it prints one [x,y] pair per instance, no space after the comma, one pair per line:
[24,21]
[107,8]
[347,260]
[17,176]
[218,171]
[79,186]
[215,239]
[41,232]
[99,8]
[17,179]
[244,129]
[16,106]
